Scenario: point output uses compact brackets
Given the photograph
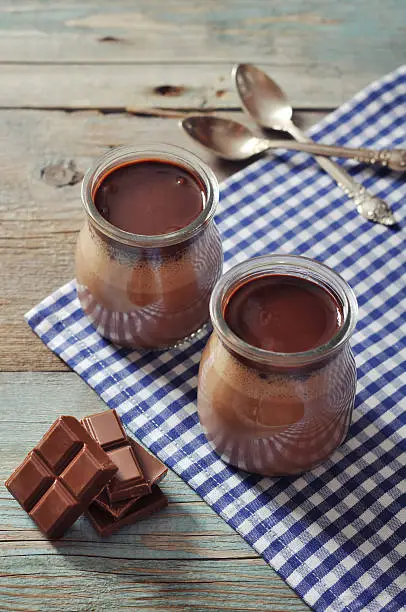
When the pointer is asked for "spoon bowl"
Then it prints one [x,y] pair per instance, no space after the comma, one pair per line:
[228,139]
[262,98]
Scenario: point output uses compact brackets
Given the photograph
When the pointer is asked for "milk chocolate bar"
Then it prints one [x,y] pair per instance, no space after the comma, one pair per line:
[105,524]
[129,481]
[61,476]
[154,470]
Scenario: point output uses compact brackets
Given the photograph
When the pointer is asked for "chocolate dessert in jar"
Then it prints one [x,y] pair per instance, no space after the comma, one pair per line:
[149,253]
[277,377]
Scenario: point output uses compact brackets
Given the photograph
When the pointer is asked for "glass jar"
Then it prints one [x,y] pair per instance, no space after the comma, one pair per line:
[148,291]
[277,413]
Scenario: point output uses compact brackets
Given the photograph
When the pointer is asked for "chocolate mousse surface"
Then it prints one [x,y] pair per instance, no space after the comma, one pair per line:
[149,197]
[283,313]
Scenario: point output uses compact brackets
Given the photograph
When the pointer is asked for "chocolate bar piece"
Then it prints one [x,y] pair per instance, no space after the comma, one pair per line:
[61,476]
[129,481]
[118,509]
[105,524]
[154,470]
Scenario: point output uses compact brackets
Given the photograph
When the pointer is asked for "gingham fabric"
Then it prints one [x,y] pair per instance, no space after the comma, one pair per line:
[336,534]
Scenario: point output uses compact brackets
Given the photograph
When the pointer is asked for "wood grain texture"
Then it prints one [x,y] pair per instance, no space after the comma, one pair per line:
[93,583]
[93,51]
[185,555]
[190,86]
[40,210]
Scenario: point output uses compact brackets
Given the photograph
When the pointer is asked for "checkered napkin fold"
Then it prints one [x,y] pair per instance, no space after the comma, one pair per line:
[337,533]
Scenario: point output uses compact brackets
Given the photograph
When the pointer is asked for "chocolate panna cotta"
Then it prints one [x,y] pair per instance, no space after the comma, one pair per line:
[149,255]
[283,314]
[149,198]
[277,377]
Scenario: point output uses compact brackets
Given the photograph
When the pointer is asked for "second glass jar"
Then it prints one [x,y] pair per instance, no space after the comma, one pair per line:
[269,412]
[141,291]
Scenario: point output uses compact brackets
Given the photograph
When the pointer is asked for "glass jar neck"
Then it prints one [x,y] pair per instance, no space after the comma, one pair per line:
[290,265]
[160,152]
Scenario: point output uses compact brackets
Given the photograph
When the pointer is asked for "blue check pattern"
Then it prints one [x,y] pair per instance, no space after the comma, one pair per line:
[336,534]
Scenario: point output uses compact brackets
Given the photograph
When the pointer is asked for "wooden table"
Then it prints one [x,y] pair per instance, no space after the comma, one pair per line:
[77,78]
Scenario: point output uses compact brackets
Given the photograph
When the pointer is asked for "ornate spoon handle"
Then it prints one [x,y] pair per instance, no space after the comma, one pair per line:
[394,159]
[369,206]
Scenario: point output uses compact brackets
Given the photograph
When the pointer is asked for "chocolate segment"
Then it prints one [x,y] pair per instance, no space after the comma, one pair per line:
[129,481]
[30,481]
[59,445]
[154,471]
[56,510]
[81,473]
[119,509]
[61,476]
[106,429]
[105,524]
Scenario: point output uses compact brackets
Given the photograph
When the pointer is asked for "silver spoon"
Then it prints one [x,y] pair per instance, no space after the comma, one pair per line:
[232,140]
[267,104]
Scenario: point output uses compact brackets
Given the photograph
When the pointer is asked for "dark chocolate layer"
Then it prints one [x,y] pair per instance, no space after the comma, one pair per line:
[283,314]
[149,197]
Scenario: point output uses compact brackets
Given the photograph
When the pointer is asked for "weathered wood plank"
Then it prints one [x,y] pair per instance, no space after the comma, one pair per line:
[198,87]
[183,530]
[91,583]
[187,544]
[184,551]
[40,220]
[321,53]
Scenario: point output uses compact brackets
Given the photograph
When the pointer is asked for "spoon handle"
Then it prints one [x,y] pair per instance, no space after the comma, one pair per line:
[394,159]
[369,206]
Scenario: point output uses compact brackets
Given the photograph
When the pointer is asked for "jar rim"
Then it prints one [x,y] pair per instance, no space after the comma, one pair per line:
[291,265]
[155,151]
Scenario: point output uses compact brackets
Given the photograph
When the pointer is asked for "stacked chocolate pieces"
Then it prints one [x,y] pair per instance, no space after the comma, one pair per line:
[70,472]
[133,492]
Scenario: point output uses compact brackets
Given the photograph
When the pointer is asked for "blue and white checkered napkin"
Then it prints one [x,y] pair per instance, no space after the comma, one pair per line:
[336,534]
